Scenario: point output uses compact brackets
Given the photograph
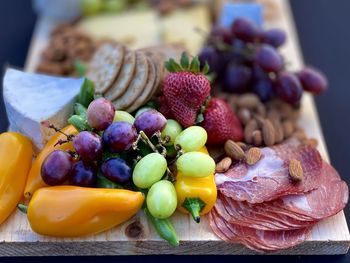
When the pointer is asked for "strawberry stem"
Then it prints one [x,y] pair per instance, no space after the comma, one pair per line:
[186,65]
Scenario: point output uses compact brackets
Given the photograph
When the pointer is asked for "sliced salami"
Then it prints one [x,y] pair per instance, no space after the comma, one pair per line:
[269,178]
[257,239]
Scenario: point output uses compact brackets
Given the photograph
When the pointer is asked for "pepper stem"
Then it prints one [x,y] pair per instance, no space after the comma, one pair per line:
[23,208]
[194,206]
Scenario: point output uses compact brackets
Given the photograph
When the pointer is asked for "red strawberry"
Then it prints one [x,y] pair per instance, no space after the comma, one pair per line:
[221,123]
[164,108]
[186,89]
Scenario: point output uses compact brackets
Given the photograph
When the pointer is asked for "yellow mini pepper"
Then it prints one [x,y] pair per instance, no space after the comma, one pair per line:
[16,155]
[196,196]
[34,180]
[71,211]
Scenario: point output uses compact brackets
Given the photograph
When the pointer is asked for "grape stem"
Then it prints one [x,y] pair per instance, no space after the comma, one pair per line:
[70,137]
[145,138]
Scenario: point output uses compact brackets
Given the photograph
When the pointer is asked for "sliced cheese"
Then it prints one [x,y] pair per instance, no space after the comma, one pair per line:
[31,99]
[180,27]
[136,29]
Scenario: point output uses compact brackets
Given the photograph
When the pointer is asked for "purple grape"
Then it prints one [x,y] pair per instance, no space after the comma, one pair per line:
[264,89]
[313,81]
[100,114]
[56,168]
[210,54]
[119,136]
[245,29]
[150,122]
[116,170]
[222,34]
[268,58]
[88,145]
[236,78]
[288,88]
[275,37]
[83,175]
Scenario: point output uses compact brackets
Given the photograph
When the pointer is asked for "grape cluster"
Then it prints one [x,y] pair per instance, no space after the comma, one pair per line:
[111,133]
[245,58]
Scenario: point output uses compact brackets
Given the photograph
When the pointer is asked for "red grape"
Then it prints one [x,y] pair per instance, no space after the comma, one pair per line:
[83,175]
[245,29]
[88,145]
[210,54]
[236,78]
[268,58]
[275,37]
[222,34]
[56,168]
[288,88]
[100,114]
[119,136]
[150,122]
[116,170]
[313,81]
[264,89]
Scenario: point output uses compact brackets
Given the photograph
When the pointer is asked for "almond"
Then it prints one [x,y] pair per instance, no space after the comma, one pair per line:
[288,128]
[234,151]
[249,101]
[296,170]
[261,110]
[279,133]
[257,138]
[244,115]
[244,146]
[300,134]
[253,155]
[251,126]
[223,165]
[268,133]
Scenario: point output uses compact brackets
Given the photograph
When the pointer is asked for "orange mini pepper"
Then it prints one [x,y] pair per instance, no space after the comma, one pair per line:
[16,153]
[72,211]
[34,180]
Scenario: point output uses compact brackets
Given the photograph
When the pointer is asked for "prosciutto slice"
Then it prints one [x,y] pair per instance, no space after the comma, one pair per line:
[258,240]
[269,178]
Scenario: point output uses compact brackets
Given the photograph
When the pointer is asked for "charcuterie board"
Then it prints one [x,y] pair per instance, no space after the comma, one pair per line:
[331,236]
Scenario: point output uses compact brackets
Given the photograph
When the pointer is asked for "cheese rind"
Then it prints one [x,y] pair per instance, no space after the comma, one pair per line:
[31,99]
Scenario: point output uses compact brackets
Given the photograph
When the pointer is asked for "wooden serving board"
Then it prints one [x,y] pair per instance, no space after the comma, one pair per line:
[331,236]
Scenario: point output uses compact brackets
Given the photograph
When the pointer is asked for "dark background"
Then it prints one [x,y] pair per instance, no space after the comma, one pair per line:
[324,34]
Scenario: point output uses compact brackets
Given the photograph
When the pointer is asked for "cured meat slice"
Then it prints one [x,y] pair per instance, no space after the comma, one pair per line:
[256,239]
[269,178]
[242,214]
[292,211]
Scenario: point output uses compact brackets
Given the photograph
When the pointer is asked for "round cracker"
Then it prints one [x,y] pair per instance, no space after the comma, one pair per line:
[124,77]
[137,84]
[105,65]
[147,91]
[156,60]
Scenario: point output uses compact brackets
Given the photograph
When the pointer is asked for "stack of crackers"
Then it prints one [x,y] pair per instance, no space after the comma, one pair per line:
[126,77]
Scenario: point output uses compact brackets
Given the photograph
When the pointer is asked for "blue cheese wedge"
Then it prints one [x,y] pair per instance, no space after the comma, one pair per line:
[32,99]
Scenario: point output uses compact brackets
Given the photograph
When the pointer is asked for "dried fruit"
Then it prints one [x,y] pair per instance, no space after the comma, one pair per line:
[223,165]
[234,151]
[296,170]
[253,155]
[312,142]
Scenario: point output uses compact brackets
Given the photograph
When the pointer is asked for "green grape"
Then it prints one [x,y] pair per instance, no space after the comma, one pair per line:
[195,164]
[172,130]
[191,139]
[123,116]
[149,170]
[161,199]
[142,110]
[114,5]
[91,7]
